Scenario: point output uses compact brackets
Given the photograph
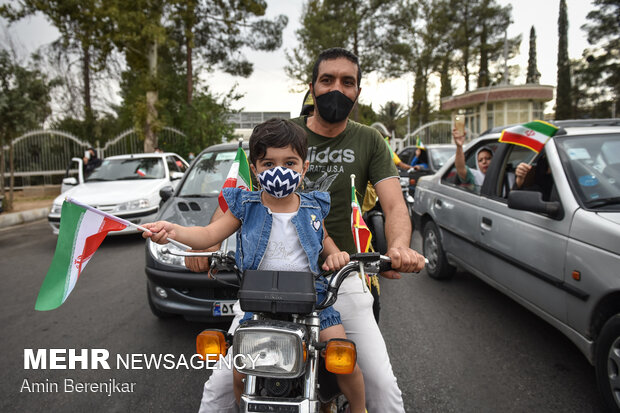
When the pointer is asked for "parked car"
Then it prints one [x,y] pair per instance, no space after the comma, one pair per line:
[171,287]
[434,155]
[127,186]
[555,251]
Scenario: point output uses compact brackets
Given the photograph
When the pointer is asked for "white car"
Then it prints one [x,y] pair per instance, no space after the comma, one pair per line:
[127,186]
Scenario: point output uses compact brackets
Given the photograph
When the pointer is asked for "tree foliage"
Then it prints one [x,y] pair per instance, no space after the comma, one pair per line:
[563,91]
[604,58]
[24,103]
[533,75]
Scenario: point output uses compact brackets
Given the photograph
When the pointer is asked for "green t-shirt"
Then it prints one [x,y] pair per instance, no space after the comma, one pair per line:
[358,150]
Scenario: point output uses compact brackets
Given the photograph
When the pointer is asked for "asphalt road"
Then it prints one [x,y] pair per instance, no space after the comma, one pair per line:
[456,346]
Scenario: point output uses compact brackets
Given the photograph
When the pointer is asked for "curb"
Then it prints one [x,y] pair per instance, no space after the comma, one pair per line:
[17,218]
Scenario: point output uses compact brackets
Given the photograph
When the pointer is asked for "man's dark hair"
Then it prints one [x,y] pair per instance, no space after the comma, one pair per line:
[336,53]
[277,133]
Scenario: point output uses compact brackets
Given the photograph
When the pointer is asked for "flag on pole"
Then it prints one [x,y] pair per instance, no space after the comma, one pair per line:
[418,142]
[361,233]
[82,229]
[532,135]
[238,176]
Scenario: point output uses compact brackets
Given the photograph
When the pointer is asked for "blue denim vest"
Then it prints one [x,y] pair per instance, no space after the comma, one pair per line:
[256,220]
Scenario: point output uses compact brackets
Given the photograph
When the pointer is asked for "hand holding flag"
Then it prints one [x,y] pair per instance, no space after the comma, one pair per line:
[82,230]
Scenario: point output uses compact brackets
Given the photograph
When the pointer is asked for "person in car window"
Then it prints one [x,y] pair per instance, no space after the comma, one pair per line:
[419,161]
[279,229]
[465,174]
[535,178]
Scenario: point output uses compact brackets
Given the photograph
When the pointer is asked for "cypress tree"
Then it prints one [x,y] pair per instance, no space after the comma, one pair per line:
[532,70]
[562,97]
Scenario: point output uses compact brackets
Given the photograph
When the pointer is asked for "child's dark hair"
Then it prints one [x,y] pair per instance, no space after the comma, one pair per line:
[277,133]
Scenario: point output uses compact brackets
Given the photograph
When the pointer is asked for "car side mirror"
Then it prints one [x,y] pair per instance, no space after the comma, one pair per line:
[176,175]
[532,201]
[166,193]
[70,181]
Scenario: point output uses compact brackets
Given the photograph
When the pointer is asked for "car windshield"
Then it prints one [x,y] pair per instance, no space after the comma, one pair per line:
[592,164]
[128,169]
[207,175]
[439,156]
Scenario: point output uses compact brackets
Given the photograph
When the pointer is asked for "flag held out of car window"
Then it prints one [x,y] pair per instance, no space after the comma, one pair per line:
[533,135]
[238,176]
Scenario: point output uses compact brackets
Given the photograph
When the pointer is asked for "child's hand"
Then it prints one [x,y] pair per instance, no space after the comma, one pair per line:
[336,261]
[159,231]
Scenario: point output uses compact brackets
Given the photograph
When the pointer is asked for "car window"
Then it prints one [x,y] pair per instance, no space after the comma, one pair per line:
[208,173]
[172,164]
[439,156]
[516,155]
[180,164]
[406,155]
[475,182]
[128,169]
[592,164]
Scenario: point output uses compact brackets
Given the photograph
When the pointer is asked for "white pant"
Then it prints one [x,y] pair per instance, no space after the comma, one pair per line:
[355,307]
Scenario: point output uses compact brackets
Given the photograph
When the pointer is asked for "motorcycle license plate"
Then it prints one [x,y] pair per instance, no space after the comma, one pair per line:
[222,308]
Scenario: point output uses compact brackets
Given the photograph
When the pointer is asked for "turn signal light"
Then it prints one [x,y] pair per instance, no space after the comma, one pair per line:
[211,343]
[340,356]
[412,181]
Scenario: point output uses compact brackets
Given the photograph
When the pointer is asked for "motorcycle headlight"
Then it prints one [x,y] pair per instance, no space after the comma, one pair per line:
[156,252]
[274,350]
[132,205]
[404,181]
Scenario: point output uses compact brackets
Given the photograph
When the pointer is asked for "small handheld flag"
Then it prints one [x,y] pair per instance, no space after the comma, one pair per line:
[82,230]
[361,233]
[533,135]
[238,176]
[418,142]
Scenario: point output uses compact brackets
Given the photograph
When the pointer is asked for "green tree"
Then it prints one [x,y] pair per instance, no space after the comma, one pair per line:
[391,115]
[24,104]
[532,68]
[352,24]
[604,58]
[83,26]
[563,91]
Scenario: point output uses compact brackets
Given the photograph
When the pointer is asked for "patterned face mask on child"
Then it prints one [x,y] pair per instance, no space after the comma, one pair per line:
[279,181]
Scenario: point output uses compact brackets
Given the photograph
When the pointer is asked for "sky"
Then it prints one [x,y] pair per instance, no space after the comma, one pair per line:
[270,90]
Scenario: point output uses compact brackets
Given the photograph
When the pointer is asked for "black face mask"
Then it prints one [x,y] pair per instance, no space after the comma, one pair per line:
[334,106]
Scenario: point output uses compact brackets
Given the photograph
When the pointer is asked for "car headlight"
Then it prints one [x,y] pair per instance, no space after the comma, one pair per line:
[157,252]
[56,209]
[276,350]
[132,205]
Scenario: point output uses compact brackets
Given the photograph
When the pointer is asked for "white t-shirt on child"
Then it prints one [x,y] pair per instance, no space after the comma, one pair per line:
[284,251]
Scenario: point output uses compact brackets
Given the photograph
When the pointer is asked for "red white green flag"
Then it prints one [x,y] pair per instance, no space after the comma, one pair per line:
[532,135]
[82,229]
[238,176]
[361,233]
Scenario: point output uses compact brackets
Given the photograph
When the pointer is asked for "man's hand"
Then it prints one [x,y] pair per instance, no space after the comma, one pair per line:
[199,264]
[403,260]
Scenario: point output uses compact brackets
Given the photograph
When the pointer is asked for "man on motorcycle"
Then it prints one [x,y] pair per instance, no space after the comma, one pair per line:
[339,147]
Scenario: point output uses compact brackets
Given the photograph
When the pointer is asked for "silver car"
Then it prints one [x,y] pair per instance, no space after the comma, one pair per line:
[553,245]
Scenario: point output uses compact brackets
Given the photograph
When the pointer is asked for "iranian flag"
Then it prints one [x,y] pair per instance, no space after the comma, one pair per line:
[82,229]
[532,135]
[238,176]
[361,233]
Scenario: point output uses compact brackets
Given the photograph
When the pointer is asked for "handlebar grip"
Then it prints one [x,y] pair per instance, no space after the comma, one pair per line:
[385,266]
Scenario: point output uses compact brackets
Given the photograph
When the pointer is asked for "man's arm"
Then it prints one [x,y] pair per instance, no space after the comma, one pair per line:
[397,229]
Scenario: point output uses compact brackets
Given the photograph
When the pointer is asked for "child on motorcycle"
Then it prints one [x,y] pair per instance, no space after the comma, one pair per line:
[280,229]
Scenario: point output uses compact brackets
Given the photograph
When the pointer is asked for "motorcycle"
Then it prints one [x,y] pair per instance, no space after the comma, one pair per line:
[288,366]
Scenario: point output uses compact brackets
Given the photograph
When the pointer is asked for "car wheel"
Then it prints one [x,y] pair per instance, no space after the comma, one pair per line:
[437,267]
[608,363]
[378,233]
[156,312]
